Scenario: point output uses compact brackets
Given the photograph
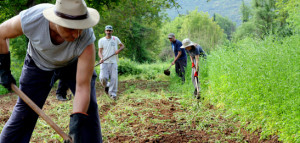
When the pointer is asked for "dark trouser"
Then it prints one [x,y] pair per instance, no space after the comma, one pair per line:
[180,65]
[62,88]
[36,84]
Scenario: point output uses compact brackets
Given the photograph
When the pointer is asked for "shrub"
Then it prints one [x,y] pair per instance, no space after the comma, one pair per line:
[166,54]
[128,67]
[259,81]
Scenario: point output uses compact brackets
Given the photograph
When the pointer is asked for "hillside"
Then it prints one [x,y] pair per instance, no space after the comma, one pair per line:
[227,8]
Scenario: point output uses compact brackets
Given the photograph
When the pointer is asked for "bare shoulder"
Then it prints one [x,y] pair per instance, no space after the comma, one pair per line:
[11,28]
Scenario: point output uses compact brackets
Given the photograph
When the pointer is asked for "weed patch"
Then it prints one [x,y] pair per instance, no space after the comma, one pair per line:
[259,82]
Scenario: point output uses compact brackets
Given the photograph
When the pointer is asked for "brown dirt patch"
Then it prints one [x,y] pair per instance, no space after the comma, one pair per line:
[171,130]
[6,106]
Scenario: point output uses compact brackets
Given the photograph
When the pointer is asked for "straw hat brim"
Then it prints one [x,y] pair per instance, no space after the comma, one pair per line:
[92,20]
[183,47]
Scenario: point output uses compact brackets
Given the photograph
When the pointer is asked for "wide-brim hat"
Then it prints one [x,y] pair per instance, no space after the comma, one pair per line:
[186,43]
[72,14]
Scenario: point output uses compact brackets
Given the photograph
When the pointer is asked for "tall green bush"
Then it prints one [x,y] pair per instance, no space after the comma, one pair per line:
[288,11]
[18,47]
[280,17]
[226,24]
[259,81]
[128,67]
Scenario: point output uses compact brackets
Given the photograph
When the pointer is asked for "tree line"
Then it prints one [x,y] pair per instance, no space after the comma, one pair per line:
[138,23]
[142,25]
[135,22]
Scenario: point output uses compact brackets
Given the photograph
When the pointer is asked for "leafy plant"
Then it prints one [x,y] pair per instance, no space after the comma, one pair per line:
[127,67]
[259,81]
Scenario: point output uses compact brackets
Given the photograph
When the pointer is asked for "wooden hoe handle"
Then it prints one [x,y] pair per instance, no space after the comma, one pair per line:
[105,59]
[170,66]
[37,110]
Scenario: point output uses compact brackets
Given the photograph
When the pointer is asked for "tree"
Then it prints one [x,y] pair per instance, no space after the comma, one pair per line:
[288,11]
[246,12]
[137,24]
[264,16]
[262,22]
[10,8]
[226,24]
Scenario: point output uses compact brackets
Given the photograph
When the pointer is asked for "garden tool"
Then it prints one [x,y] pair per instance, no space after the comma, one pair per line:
[105,59]
[40,112]
[167,71]
[196,81]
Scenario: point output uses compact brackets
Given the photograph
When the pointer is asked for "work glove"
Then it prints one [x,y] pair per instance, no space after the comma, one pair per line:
[196,74]
[193,65]
[5,74]
[77,121]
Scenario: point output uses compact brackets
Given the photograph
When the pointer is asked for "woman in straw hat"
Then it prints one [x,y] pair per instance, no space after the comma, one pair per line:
[61,46]
[194,50]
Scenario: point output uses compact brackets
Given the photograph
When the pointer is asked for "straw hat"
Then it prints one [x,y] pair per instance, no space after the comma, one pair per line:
[186,43]
[72,14]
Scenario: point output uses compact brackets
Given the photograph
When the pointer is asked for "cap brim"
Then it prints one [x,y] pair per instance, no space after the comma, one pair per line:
[183,47]
[91,21]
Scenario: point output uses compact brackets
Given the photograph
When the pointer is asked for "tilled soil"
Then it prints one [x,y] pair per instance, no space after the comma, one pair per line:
[173,130]
[170,129]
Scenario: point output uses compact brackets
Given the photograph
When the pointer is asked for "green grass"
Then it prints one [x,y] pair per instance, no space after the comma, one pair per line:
[196,111]
[254,82]
[130,70]
[130,114]
[259,82]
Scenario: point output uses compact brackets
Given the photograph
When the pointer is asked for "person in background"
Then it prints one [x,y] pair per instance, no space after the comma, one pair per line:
[180,56]
[194,50]
[62,91]
[108,46]
[61,46]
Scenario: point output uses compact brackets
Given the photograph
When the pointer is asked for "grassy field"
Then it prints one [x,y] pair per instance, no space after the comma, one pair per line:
[250,93]
[160,109]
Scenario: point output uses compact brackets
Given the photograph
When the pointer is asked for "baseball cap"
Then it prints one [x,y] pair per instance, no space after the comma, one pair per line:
[171,35]
[108,27]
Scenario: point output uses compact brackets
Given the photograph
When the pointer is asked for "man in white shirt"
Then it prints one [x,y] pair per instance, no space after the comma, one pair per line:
[108,46]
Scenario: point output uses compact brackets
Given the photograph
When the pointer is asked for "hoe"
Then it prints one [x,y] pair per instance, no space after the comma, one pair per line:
[167,71]
[40,112]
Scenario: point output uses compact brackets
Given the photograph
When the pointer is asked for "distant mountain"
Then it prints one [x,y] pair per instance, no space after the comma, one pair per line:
[226,8]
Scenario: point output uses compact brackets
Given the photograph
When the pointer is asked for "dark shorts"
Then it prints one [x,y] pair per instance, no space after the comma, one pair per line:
[36,84]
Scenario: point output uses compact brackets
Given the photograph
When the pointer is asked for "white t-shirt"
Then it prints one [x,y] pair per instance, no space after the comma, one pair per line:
[110,46]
